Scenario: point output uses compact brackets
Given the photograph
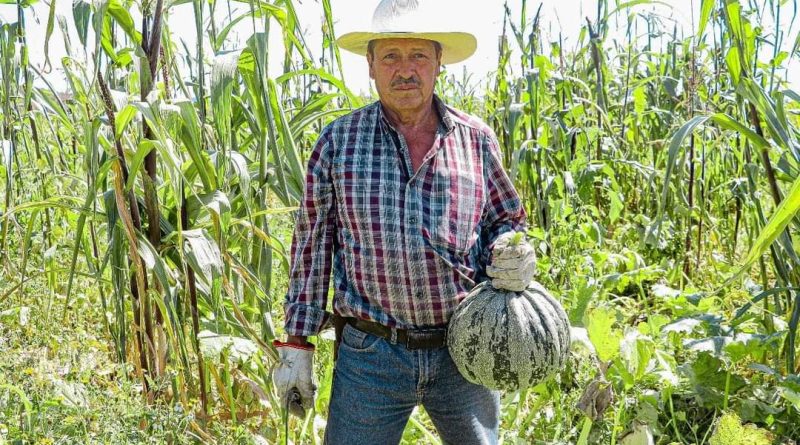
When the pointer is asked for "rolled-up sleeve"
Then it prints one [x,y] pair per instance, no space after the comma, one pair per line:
[312,246]
[503,210]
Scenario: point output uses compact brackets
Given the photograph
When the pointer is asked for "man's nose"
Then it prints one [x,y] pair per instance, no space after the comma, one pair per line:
[406,67]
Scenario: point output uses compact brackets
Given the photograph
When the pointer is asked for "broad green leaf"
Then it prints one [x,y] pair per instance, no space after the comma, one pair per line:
[123,118]
[709,377]
[192,138]
[678,139]
[324,76]
[790,393]
[49,32]
[203,254]
[730,431]
[223,33]
[674,148]
[733,59]
[215,201]
[238,349]
[766,108]
[223,76]
[81,11]
[626,6]
[605,338]
[154,262]
[777,223]
[727,122]
[123,18]
[636,350]
[136,161]
[23,3]
[706,7]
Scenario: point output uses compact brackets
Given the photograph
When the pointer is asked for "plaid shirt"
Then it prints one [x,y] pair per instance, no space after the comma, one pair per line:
[405,247]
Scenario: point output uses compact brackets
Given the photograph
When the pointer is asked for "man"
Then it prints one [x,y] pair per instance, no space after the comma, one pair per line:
[405,200]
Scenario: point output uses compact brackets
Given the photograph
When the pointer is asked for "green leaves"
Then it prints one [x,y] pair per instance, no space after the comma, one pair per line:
[106,13]
[730,431]
[223,75]
[706,7]
[778,222]
[605,338]
[23,3]
[203,254]
[81,11]
[123,18]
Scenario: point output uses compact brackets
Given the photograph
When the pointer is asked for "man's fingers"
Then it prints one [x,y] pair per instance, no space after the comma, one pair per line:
[519,251]
[513,263]
[512,285]
[511,268]
[298,400]
[503,274]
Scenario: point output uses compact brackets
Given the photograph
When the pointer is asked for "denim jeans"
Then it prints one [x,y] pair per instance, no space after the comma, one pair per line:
[377,384]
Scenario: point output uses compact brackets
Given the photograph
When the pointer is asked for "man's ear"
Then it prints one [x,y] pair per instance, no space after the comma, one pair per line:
[369,63]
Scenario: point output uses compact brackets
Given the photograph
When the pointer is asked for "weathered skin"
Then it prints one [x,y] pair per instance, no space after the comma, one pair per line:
[508,340]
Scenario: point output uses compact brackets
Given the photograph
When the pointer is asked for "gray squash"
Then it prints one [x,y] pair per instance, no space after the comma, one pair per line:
[508,340]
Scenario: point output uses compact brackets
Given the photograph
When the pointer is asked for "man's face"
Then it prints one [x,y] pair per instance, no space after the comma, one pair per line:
[404,71]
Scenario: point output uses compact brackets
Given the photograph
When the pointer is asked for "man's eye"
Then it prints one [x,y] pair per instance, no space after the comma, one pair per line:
[390,56]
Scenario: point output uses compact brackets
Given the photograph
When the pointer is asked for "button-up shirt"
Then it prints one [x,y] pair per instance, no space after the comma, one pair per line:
[405,246]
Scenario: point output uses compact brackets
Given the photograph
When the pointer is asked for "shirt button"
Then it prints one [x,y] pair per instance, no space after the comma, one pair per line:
[412,220]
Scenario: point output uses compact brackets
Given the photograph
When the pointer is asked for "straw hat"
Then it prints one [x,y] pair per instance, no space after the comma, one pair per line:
[413,19]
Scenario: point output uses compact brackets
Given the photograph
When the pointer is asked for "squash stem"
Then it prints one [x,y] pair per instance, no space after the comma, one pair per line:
[587,428]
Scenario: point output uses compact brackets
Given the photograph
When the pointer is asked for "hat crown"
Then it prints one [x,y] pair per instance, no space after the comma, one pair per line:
[420,19]
[403,16]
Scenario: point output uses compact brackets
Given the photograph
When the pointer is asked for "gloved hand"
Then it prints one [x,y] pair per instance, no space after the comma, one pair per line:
[513,262]
[294,377]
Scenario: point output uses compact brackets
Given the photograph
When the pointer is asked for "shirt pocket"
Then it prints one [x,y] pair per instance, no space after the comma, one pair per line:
[456,208]
[359,198]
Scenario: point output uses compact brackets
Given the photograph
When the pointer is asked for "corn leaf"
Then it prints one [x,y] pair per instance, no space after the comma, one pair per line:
[777,223]
[766,108]
[23,3]
[706,7]
[81,11]
[203,254]
[123,18]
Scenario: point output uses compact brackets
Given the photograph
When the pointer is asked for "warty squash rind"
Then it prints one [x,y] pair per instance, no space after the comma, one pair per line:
[508,340]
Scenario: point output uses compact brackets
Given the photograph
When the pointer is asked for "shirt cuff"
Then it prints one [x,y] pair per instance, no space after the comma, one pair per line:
[304,320]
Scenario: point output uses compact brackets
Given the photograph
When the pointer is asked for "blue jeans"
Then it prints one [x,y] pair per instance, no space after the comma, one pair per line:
[377,384]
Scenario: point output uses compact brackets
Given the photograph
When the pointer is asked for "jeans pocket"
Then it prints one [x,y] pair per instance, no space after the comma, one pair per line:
[359,341]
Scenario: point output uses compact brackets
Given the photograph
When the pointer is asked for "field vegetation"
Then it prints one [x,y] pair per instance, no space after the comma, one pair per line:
[146,218]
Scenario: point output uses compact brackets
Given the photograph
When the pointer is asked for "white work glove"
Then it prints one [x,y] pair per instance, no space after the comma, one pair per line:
[294,377]
[513,263]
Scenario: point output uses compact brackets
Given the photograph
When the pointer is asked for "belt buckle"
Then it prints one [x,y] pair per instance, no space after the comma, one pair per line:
[393,336]
[415,337]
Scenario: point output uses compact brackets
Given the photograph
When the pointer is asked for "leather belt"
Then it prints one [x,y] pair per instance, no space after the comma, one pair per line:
[421,338]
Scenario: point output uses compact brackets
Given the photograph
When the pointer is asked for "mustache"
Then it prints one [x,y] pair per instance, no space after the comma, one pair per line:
[409,81]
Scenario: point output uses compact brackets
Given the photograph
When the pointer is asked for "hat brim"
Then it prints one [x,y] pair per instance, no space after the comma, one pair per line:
[456,46]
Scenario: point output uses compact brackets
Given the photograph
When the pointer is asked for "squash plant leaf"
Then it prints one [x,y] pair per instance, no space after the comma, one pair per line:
[730,431]
[605,338]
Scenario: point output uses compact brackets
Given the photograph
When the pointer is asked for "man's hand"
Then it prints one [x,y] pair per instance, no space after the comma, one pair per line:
[294,377]
[513,262]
